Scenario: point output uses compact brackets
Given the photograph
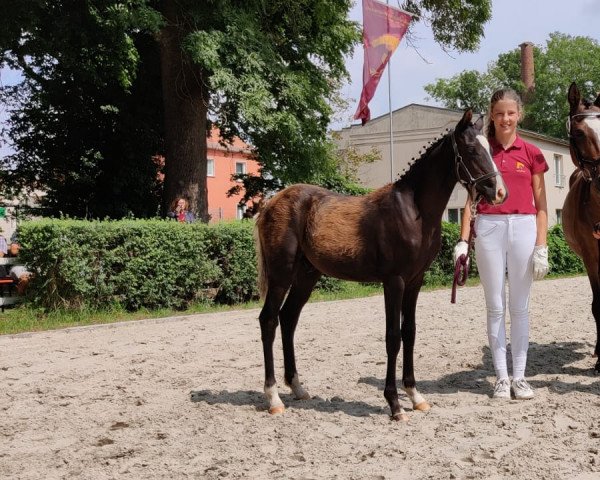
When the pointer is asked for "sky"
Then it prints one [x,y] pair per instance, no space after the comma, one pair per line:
[513,22]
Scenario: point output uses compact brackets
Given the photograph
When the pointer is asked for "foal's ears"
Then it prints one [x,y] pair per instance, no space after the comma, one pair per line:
[465,121]
[574,98]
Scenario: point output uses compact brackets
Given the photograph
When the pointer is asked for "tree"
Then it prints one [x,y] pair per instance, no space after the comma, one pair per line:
[563,60]
[110,84]
[84,122]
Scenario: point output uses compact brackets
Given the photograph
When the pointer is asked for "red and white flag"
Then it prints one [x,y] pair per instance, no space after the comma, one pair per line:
[383,28]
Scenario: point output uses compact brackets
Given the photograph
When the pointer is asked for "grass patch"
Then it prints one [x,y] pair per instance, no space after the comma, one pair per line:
[25,319]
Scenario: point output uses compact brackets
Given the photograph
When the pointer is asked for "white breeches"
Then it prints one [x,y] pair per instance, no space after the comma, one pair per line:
[504,243]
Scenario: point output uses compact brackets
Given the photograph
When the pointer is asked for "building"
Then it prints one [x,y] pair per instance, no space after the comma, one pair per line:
[12,211]
[225,160]
[416,125]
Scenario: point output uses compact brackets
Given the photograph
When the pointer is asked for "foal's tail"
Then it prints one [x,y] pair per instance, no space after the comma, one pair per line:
[261,265]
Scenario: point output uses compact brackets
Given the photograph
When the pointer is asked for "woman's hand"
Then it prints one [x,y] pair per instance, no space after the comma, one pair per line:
[461,249]
[540,262]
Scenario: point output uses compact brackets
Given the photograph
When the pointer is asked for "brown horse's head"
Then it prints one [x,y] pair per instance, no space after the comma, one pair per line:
[475,169]
[583,126]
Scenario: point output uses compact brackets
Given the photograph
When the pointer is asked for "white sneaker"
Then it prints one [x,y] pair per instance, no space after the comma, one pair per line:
[502,388]
[521,389]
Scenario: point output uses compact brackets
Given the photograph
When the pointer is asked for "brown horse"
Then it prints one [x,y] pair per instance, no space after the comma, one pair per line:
[390,235]
[581,210]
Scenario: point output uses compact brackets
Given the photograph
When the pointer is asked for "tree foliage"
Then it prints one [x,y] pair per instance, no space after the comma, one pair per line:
[456,24]
[108,85]
[84,122]
[563,60]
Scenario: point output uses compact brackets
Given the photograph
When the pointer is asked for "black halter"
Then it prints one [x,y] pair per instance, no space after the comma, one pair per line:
[593,164]
[472,182]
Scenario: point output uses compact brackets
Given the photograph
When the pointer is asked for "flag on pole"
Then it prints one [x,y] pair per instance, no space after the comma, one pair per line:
[383,28]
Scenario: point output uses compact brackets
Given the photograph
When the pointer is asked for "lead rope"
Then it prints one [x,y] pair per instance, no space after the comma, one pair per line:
[461,268]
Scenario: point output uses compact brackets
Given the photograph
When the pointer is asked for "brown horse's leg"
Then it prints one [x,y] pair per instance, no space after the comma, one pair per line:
[596,313]
[592,269]
[303,285]
[393,290]
[268,327]
[409,308]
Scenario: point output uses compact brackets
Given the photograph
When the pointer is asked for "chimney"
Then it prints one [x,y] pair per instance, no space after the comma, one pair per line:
[527,70]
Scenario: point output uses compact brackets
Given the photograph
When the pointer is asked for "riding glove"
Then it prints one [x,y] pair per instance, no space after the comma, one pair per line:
[461,248]
[540,262]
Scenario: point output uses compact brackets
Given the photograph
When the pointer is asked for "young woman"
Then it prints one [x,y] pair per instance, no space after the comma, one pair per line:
[511,240]
[180,211]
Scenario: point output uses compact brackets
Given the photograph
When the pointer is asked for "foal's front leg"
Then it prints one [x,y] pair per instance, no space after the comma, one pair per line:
[409,307]
[393,290]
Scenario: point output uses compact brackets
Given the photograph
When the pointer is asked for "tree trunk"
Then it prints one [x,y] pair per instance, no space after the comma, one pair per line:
[185,98]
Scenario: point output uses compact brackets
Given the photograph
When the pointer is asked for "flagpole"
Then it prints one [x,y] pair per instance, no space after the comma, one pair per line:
[391,120]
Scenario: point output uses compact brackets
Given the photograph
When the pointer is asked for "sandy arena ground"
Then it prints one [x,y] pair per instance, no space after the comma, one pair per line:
[182,398]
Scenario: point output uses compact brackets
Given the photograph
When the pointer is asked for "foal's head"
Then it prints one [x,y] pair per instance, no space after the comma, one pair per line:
[475,169]
[583,126]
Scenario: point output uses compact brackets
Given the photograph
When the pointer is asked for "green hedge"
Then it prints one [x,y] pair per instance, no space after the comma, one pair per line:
[164,264]
[563,261]
[136,263]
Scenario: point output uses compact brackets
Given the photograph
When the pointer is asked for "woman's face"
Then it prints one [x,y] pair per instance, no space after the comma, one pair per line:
[506,116]
[181,204]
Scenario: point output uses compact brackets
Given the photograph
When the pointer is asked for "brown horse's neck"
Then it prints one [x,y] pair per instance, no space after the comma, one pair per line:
[431,178]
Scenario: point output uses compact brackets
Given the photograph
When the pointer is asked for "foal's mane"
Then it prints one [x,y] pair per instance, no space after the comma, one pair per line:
[414,165]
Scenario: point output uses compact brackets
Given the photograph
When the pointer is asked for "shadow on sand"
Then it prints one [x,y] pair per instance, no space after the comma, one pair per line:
[543,359]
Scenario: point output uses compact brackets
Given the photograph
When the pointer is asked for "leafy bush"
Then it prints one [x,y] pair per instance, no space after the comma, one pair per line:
[329,284]
[130,263]
[441,271]
[231,245]
[563,261]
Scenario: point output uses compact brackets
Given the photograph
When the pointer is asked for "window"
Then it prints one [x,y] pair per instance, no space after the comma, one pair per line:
[240,167]
[241,209]
[210,167]
[559,177]
[559,216]
[453,215]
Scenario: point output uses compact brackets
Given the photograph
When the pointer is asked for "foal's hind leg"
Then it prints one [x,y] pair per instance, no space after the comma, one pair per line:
[304,282]
[268,327]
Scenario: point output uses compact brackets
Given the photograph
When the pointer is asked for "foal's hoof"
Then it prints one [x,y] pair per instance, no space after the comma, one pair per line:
[303,396]
[400,417]
[422,407]
[277,410]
